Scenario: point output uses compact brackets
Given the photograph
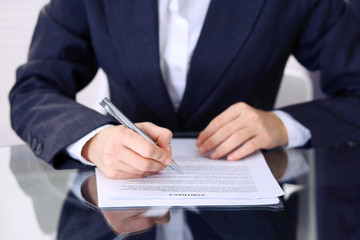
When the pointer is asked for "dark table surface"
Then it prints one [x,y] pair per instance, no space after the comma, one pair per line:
[321,201]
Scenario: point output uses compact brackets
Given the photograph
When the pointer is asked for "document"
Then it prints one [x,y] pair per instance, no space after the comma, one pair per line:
[204,182]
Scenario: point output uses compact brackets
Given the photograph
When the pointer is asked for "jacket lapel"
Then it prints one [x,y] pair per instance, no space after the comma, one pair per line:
[226,28]
[134,28]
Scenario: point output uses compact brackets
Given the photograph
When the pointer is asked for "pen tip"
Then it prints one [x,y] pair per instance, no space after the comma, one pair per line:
[176,167]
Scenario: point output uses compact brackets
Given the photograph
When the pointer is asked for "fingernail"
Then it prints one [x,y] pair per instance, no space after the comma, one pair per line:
[168,147]
[168,161]
[198,142]
[230,158]
[202,150]
[214,155]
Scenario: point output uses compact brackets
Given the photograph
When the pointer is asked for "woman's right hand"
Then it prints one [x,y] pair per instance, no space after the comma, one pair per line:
[120,152]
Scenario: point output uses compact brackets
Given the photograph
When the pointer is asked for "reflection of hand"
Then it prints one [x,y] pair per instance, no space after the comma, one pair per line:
[277,160]
[244,126]
[125,220]
[121,153]
[132,220]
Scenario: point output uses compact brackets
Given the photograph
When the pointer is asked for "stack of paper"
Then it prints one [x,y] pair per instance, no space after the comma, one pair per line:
[204,182]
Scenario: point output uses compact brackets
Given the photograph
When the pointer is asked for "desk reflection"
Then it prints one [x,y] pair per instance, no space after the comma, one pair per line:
[124,221]
[338,193]
[203,223]
[67,206]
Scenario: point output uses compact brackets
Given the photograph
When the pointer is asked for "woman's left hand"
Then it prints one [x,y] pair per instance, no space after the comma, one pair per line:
[241,130]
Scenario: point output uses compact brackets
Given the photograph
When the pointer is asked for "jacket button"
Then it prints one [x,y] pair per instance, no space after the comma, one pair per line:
[34,143]
[39,149]
[353,143]
[29,139]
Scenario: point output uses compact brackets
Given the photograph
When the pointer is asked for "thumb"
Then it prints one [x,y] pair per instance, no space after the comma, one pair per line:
[160,135]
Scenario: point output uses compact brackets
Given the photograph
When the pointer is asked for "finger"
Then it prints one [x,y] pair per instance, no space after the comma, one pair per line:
[132,224]
[164,219]
[124,173]
[146,149]
[234,111]
[233,142]
[139,223]
[137,164]
[119,174]
[246,149]
[222,135]
[122,215]
[219,121]
[161,136]
[128,164]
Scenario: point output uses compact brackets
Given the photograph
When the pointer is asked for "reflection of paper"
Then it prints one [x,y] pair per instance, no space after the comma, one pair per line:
[204,182]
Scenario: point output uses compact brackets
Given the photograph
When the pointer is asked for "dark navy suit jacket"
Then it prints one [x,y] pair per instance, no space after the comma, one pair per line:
[240,56]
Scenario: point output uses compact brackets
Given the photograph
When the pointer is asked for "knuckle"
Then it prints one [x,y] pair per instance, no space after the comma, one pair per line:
[144,165]
[107,163]
[213,123]
[221,131]
[239,105]
[148,125]
[252,145]
[252,114]
[236,105]
[228,128]
[121,134]
[120,130]
[149,152]
[169,133]
[144,124]
[253,117]
[217,123]
[166,133]
[111,173]
[209,144]
[238,137]
[108,151]
[221,150]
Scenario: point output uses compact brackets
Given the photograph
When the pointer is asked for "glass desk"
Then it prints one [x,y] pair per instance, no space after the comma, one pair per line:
[322,201]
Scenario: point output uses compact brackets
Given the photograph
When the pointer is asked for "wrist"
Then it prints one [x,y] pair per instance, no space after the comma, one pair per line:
[85,152]
[74,150]
[297,134]
[284,138]
[91,148]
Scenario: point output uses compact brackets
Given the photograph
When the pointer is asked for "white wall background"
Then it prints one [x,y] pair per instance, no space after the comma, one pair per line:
[17,21]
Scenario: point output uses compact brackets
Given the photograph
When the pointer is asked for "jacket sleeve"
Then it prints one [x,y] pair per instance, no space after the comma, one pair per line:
[330,41]
[61,62]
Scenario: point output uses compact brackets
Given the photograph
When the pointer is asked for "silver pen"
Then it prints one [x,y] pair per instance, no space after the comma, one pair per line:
[118,115]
